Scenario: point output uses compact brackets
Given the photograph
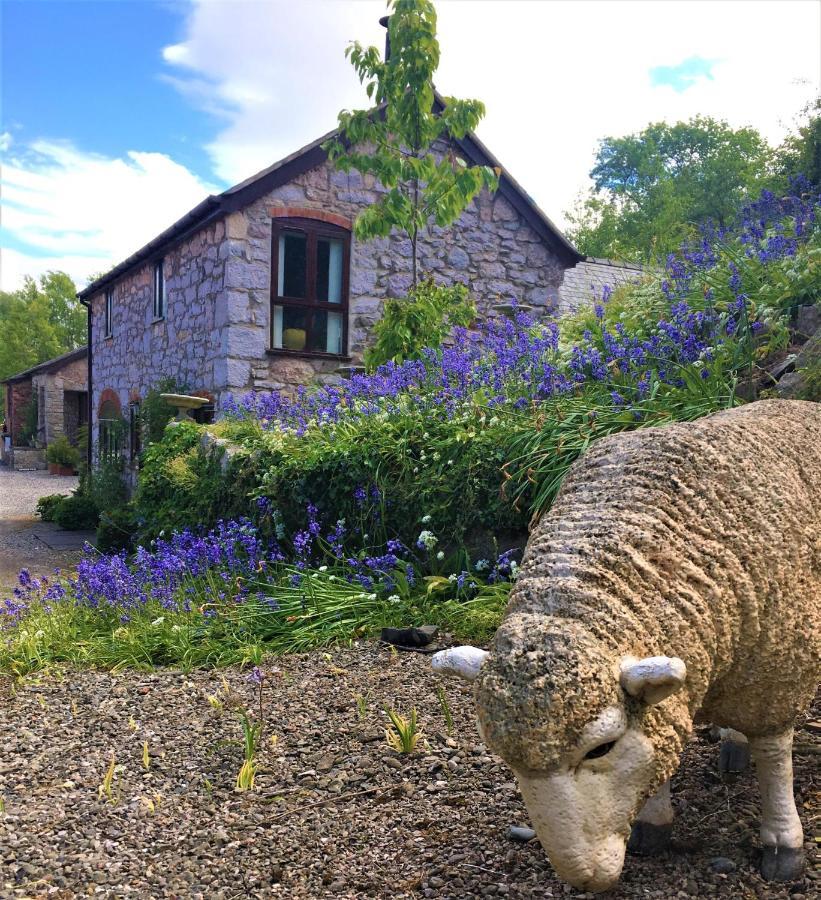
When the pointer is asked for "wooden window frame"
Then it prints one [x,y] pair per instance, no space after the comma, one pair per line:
[313,229]
[159,297]
[108,313]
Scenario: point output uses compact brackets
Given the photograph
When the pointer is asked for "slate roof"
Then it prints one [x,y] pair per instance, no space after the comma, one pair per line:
[308,157]
[50,365]
[588,277]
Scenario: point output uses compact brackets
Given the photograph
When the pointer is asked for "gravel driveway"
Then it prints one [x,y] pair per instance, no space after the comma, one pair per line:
[19,548]
[335,812]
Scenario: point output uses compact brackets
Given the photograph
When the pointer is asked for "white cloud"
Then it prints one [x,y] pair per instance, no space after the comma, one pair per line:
[555,77]
[84,212]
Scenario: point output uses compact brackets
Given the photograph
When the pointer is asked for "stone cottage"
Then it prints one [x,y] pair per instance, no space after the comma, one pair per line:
[265,286]
[43,403]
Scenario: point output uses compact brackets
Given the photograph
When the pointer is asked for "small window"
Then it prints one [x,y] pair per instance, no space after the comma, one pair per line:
[109,313]
[159,290]
[309,296]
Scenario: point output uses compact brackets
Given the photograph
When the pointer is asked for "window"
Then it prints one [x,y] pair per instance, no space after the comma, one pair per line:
[309,286]
[110,427]
[159,290]
[109,313]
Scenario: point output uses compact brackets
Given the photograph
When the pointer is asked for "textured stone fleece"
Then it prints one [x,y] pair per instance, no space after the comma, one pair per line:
[700,540]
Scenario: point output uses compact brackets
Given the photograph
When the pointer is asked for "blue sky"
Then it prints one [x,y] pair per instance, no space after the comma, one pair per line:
[93,71]
[117,116]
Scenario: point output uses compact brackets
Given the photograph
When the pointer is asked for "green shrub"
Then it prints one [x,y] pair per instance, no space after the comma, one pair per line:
[116,530]
[77,513]
[423,319]
[106,486]
[156,413]
[47,506]
[60,453]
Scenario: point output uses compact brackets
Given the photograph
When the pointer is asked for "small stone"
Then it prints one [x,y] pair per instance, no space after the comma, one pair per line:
[722,866]
[326,762]
[521,833]
[392,762]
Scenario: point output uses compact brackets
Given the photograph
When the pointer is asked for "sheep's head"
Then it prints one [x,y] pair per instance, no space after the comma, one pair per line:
[578,726]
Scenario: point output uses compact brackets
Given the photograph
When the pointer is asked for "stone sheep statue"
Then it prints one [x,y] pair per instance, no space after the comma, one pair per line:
[677,578]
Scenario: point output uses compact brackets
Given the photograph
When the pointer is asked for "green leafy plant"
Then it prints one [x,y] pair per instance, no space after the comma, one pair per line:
[60,453]
[47,506]
[424,319]
[402,735]
[251,735]
[422,182]
[156,413]
[445,706]
[106,788]
[77,513]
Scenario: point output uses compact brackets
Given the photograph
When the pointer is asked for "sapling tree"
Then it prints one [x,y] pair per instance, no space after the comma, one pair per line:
[394,141]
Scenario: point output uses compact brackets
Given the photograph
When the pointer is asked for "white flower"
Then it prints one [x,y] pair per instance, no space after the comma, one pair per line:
[452,577]
[416,470]
[323,568]
[482,565]
[440,555]
[394,599]
[450,462]
[425,520]
[157,622]
[427,539]
[514,570]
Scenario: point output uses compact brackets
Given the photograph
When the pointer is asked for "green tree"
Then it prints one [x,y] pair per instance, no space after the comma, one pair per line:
[652,188]
[394,142]
[39,321]
[800,153]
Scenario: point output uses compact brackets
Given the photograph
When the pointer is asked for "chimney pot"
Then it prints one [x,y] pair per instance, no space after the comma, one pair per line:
[384,23]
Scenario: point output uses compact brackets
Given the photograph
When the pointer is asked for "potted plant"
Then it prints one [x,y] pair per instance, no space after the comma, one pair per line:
[63,459]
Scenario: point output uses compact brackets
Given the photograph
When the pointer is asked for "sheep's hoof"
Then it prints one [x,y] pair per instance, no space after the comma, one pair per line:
[734,756]
[782,863]
[647,839]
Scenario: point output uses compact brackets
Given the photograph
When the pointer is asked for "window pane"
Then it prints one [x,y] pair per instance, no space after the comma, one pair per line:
[293,264]
[329,270]
[326,334]
[290,328]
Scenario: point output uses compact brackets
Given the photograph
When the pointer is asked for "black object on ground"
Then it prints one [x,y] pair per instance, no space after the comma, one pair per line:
[410,638]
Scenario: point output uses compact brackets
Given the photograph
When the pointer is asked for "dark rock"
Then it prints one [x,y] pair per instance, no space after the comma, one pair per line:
[808,321]
[410,637]
[521,833]
[782,368]
[647,839]
[722,866]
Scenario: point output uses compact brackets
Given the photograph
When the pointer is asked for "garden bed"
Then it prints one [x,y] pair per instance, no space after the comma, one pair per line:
[334,811]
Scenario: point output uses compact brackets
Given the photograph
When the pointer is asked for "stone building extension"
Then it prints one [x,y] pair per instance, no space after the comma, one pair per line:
[58,389]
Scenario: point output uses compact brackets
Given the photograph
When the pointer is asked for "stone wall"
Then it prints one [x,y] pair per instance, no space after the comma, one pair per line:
[216,333]
[491,249]
[51,388]
[188,345]
[18,397]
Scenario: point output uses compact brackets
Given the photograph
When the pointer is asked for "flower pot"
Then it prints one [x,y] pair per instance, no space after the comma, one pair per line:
[58,469]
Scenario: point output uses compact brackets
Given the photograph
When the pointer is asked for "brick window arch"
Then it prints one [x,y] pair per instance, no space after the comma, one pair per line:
[310,273]
[110,426]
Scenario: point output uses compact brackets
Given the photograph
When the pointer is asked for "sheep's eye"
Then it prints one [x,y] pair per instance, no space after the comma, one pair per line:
[601,750]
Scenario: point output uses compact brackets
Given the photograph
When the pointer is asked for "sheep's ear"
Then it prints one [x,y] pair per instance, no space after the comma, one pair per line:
[653,678]
[462,661]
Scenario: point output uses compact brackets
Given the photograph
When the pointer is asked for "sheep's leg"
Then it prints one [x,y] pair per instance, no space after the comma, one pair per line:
[735,751]
[781,832]
[654,825]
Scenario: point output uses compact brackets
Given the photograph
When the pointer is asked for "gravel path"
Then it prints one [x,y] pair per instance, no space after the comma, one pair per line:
[334,813]
[19,493]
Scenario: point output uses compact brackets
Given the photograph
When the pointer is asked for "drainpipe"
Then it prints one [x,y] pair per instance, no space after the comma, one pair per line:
[87,305]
